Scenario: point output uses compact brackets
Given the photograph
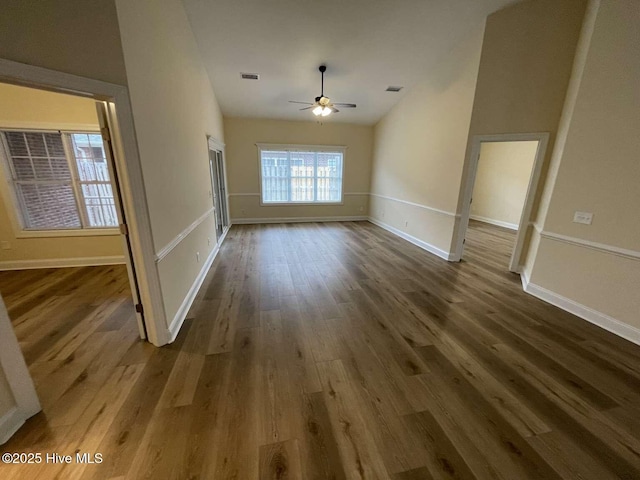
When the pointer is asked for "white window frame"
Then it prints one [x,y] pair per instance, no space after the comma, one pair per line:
[13,204]
[300,148]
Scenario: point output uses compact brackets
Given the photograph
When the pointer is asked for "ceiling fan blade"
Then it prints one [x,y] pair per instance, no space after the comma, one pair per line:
[304,103]
[335,110]
[346,105]
[307,108]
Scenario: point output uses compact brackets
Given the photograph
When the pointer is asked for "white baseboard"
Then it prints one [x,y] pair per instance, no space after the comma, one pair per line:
[181,314]
[416,241]
[61,262]
[10,422]
[245,221]
[499,223]
[600,319]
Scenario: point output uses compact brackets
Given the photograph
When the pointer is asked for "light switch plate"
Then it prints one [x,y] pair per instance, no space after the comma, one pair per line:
[5,245]
[583,217]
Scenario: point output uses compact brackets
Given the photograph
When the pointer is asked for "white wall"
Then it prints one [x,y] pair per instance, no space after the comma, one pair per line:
[419,150]
[595,269]
[174,109]
[241,136]
[22,107]
[502,179]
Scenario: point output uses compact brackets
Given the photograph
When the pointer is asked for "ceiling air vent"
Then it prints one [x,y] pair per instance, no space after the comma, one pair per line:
[250,76]
[391,88]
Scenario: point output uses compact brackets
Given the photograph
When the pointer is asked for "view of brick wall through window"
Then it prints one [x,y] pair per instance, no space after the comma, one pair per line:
[61,180]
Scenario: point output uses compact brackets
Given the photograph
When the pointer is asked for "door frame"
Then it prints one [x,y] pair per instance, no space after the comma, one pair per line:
[469,182]
[214,144]
[129,168]
[15,370]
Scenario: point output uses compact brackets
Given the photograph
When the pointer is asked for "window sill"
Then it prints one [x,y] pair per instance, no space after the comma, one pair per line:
[293,204]
[87,232]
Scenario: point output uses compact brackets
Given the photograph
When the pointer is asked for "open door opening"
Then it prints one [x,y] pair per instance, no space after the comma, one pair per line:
[501,185]
[67,273]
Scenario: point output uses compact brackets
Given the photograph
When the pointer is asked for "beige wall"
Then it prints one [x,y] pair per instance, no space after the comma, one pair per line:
[502,179]
[598,171]
[419,149]
[527,56]
[72,36]
[22,107]
[241,136]
[174,109]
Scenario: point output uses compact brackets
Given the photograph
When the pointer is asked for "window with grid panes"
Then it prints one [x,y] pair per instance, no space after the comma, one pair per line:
[61,180]
[301,175]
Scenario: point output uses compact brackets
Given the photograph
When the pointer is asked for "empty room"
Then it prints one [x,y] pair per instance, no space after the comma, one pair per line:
[336,240]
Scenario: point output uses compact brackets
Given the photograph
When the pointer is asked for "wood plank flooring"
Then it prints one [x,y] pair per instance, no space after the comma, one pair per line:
[327,351]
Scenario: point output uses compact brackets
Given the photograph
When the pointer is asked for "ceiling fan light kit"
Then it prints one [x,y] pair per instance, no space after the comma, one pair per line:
[322,105]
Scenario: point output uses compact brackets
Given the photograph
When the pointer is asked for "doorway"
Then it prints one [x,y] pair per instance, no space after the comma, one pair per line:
[500,188]
[119,120]
[66,271]
[218,187]
[60,191]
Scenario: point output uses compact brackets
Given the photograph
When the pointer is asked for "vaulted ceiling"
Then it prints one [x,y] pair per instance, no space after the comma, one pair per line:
[367,46]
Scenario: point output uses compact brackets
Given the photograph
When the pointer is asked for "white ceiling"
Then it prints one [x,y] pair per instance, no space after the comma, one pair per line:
[367,45]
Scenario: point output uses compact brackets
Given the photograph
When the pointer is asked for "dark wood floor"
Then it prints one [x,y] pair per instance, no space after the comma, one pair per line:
[329,351]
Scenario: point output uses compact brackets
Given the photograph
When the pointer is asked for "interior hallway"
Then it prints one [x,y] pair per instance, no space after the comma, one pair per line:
[339,350]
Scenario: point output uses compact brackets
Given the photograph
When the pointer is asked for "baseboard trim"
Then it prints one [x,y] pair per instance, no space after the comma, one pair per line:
[10,422]
[248,221]
[181,314]
[61,263]
[416,241]
[600,319]
[491,221]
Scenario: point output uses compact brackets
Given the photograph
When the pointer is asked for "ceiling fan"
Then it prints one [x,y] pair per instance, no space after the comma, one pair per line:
[323,105]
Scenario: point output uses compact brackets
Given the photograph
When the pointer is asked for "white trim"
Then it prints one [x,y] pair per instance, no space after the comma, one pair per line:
[468,181]
[426,207]
[302,204]
[164,251]
[416,241]
[600,319]
[257,195]
[215,144]
[296,147]
[85,232]
[10,422]
[61,262]
[181,314]
[18,378]
[601,247]
[491,221]
[49,126]
[247,221]
[524,278]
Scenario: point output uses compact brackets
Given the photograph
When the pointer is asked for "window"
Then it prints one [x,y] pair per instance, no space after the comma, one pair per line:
[61,180]
[294,174]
